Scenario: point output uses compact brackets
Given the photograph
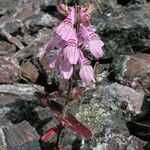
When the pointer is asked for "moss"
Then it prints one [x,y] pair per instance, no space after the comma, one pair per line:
[98,117]
[94,116]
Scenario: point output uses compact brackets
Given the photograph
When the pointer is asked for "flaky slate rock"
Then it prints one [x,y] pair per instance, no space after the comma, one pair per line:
[21,136]
[130,66]
[6,48]
[37,21]
[21,89]
[124,29]
[116,94]
[29,71]
[9,70]
[132,69]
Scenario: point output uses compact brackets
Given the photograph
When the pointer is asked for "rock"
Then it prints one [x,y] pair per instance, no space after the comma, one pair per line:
[130,67]
[4,122]
[106,118]
[28,39]
[3,145]
[50,3]
[21,136]
[10,99]
[125,2]
[139,125]
[9,25]
[21,89]
[13,39]
[44,33]
[40,20]
[6,48]
[9,70]
[26,12]
[30,50]
[7,7]
[133,69]
[124,29]
[107,121]
[29,71]
[143,83]
[115,94]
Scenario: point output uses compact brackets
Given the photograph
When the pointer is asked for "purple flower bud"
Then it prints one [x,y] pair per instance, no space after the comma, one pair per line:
[64,30]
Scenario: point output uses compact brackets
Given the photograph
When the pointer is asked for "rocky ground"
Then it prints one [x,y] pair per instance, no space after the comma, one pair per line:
[116,108]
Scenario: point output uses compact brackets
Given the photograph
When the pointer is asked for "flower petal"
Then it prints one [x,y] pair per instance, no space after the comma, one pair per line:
[52,43]
[66,69]
[85,18]
[93,40]
[53,60]
[87,74]
[96,48]
[72,54]
[82,59]
[84,33]
[66,27]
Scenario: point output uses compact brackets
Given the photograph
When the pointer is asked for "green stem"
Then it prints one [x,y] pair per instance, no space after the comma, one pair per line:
[67,98]
[97,4]
[66,2]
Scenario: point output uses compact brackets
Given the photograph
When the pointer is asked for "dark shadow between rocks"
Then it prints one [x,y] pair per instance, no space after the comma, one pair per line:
[139,125]
[76,144]
[24,110]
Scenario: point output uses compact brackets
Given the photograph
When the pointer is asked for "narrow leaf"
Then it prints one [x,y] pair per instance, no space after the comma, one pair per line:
[77,126]
[50,134]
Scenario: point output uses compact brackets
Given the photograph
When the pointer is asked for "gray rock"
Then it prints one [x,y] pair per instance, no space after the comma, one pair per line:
[22,136]
[124,29]
[9,70]
[20,89]
[115,94]
[107,119]
[6,48]
[130,67]
[133,69]
[35,22]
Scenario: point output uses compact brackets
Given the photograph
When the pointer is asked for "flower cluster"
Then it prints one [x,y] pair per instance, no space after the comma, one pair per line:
[71,39]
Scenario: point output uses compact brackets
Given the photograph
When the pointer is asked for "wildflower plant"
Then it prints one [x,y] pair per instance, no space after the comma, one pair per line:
[71,40]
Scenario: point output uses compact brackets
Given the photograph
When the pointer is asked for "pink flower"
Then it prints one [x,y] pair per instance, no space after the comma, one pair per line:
[87,74]
[52,43]
[86,71]
[66,69]
[53,61]
[64,30]
[61,45]
[85,18]
[92,40]
[56,59]
[71,52]
[67,42]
